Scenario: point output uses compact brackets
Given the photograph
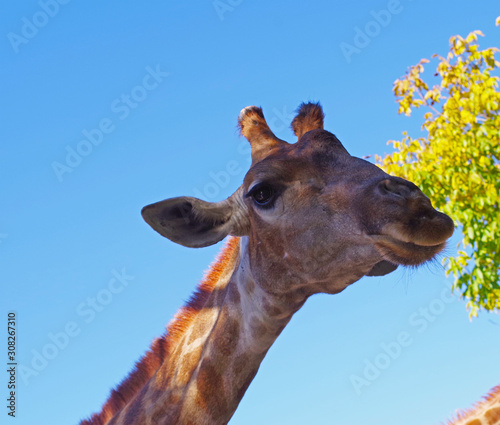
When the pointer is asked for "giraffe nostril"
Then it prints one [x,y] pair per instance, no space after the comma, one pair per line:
[427,215]
[395,187]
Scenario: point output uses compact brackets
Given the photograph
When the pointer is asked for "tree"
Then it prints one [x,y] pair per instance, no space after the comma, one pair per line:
[457,162]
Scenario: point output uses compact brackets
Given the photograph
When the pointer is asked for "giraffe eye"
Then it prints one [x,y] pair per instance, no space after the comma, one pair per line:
[263,195]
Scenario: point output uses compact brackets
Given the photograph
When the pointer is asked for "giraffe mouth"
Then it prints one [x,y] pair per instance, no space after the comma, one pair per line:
[406,253]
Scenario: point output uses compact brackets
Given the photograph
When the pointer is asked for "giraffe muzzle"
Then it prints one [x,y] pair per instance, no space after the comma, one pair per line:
[413,231]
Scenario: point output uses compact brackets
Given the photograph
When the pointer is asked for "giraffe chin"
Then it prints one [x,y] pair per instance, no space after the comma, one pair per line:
[406,253]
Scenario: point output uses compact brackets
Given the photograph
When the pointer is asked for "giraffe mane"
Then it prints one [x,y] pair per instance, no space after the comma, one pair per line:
[149,363]
[463,415]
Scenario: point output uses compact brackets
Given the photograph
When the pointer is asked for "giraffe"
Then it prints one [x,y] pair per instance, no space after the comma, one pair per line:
[486,412]
[309,218]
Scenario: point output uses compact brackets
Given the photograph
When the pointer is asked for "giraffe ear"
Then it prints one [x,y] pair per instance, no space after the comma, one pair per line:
[190,221]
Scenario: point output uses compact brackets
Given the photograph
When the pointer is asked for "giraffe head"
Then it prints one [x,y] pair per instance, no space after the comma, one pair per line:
[312,213]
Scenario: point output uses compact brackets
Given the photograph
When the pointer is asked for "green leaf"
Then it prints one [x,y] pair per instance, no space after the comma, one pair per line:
[457,162]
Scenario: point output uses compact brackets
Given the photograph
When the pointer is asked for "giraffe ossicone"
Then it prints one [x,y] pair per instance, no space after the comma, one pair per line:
[309,218]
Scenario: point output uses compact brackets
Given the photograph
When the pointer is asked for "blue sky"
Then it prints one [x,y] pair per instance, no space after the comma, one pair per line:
[158,86]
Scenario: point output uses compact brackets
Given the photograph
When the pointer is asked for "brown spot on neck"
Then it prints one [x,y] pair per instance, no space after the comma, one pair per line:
[493,416]
[226,335]
[161,348]
[250,287]
[211,390]
[233,295]
[474,422]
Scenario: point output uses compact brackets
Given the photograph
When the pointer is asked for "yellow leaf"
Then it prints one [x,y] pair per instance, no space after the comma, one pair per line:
[456,162]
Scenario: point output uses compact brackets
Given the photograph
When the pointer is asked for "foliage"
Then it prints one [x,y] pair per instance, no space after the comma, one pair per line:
[457,163]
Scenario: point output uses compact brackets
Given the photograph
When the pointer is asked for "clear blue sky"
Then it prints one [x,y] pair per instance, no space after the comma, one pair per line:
[71,69]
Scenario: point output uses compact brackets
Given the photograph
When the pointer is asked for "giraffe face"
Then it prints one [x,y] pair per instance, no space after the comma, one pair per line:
[311,211]
[331,218]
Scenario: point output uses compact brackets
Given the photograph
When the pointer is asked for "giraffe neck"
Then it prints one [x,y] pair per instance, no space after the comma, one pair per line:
[486,412]
[211,365]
